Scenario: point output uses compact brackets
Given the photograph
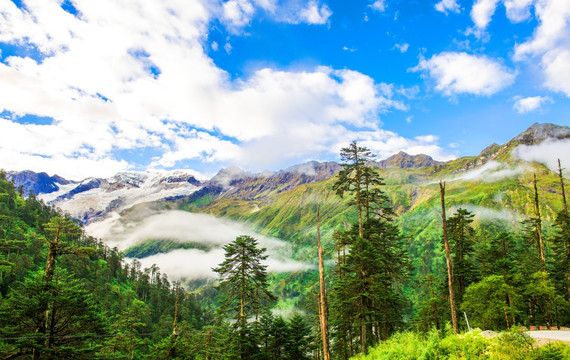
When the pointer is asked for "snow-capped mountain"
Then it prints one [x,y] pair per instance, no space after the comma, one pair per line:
[94,199]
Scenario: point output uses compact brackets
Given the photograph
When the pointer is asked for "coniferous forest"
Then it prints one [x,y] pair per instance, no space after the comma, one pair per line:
[66,295]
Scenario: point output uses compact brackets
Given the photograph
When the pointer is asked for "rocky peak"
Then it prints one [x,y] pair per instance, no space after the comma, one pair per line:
[405,161]
[40,183]
[537,133]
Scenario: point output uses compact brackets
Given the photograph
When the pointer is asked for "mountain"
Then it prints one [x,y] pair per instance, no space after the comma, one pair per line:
[404,161]
[94,199]
[233,189]
[39,183]
[495,185]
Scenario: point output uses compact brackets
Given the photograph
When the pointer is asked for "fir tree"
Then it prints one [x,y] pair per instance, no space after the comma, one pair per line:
[365,301]
[243,287]
[462,242]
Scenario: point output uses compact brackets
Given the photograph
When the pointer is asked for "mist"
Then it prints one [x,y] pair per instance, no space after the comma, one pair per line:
[146,223]
[484,213]
[547,153]
[490,172]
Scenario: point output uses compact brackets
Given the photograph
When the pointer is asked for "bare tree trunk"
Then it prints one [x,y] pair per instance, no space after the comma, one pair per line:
[323,314]
[448,259]
[566,245]
[363,338]
[540,240]
[562,186]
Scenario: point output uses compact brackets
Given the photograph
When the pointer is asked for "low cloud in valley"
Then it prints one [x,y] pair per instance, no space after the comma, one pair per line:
[181,226]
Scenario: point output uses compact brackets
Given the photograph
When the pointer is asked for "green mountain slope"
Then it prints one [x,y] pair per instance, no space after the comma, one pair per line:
[494,185]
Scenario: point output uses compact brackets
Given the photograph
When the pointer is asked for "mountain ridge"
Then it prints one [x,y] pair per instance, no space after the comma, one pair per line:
[93,199]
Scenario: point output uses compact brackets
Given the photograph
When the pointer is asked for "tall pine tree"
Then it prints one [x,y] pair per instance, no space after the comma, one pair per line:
[243,287]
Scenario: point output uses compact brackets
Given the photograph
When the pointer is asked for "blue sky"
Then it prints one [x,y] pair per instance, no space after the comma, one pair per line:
[93,87]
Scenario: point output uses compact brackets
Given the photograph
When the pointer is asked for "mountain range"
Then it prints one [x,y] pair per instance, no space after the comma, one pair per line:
[496,185]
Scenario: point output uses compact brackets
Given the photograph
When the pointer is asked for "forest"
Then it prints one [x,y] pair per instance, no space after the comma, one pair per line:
[66,295]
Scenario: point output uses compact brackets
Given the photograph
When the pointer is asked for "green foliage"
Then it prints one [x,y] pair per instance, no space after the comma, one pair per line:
[433,345]
[66,331]
[552,351]
[158,246]
[489,302]
[543,300]
[365,302]
[243,281]
[91,306]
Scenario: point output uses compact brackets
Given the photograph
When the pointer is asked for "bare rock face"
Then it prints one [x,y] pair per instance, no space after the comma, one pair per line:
[537,133]
[405,161]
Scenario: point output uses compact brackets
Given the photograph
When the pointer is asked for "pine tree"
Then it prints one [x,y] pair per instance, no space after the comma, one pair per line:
[70,326]
[365,303]
[462,242]
[299,338]
[243,287]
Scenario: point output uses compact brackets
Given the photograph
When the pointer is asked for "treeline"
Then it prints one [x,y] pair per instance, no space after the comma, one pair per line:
[65,295]
[495,279]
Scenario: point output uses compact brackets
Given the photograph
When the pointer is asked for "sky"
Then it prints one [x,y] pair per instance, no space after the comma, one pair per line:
[95,87]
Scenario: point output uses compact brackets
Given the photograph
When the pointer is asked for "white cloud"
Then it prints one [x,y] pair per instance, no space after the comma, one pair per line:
[314,14]
[238,13]
[528,104]
[518,10]
[489,172]
[185,227]
[453,145]
[550,43]
[402,47]
[482,12]
[386,143]
[556,64]
[446,6]
[547,153]
[485,213]
[461,73]
[126,76]
[379,5]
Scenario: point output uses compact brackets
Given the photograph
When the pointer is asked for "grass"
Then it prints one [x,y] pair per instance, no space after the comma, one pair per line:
[433,345]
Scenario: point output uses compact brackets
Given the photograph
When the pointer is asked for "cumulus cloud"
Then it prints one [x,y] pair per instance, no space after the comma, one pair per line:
[446,6]
[461,73]
[185,227]
[547,153]
[550,43]
[518,10]
[314,14]
[528,104]
[125,76]
[385,143]
[238,13]
[482,12]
